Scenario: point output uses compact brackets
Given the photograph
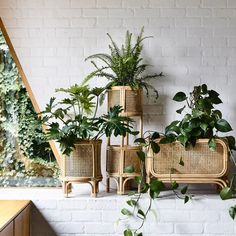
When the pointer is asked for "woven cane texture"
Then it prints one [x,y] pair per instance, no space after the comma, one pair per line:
[83,160]
[131,158]
[113,98]
[197,160]
[133,101]
[113,160]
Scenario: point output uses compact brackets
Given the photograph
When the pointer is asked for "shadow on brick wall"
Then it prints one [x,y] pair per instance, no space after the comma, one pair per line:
[38,224]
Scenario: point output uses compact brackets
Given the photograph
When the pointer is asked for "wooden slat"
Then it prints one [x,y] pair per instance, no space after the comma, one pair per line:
[8,230]
[22,224]
[9,210]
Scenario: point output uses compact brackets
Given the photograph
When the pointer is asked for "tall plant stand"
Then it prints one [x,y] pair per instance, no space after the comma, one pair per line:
[120,156]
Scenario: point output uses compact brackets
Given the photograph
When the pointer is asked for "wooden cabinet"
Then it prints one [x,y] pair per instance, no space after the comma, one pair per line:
[14,218]
[8,230]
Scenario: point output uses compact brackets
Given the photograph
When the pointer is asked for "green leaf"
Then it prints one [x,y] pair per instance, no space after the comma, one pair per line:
[204,88]
[126,212]
[226,193]
[155,147]
[232,212]
[145,188]
[128,232]
[129,169]
[131,202]
[140,212]
[204,126]
[139,234]
[186,199]
[212,144]
[174,185]
[140,140]
[166,140]
[141,155]
[157,186]
[131,193]
[181,162]
[179,111]
[155,135]
[223,126]
[138,179]
[184,190]
[180,97]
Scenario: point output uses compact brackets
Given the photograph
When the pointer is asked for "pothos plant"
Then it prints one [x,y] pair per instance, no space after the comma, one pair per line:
[201,120]
[123,66]
[75,118]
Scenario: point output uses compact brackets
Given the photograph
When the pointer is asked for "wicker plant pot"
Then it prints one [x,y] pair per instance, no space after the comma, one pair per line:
[118,158]
[130,100]
[201,165]
[83,166]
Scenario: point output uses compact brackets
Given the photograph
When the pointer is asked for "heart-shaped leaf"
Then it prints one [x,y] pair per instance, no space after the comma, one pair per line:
[180,97]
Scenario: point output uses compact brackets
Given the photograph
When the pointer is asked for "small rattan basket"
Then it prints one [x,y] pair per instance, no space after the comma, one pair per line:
[130,99]
[201,165]
[83,166]
[119,157]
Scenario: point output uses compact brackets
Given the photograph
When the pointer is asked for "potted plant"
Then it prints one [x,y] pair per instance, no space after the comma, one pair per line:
[124,69]
[191,150]
[72,122]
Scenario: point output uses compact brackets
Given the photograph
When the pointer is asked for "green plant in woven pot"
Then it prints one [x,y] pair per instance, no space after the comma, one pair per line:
[124,70]
[73,123]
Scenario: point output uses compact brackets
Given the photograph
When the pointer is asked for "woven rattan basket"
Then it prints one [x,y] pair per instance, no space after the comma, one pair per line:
[130,100]
[118,158]
[83,165]
[201,165]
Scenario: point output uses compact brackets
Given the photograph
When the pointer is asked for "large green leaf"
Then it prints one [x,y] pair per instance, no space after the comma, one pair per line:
[232,212]
[180,97]
[128,232]
[226,193]
[129,169]
[223,126]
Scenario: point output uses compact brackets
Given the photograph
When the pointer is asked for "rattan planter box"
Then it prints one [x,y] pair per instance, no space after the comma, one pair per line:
[201,165]
[130,100]
[83,166]
[118,158]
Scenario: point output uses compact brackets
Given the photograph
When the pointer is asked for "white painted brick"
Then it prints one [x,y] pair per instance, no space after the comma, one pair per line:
[214,22]
[95,12]
[161,22]
[76,12]
[200,32]
[46,204]
[71,204]
[29,22]
[56,3]
[8,3]
[109,3]
[204,216]
[30,3]
[83,22]
[232,41]
[227,32]
[121,12]
[231,3]
[193,12]
[68,32]
[104,228]
[159,228]
[188,3]
[135,22]
[179,216]
[88,216]
[135,3]
[102,204]
[53,216]
[56,22]
[190,228]
[219,228]
[69,228]
[188,22]
[214,42]
[83,4]
[147,13]
[214,3]
[232,61]
[162,3]
[40,13]
[109,23]
[173,12]
[224,12]
[214,61]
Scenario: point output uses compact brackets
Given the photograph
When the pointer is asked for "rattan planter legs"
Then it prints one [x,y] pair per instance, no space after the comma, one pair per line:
[83,166]
[201,165]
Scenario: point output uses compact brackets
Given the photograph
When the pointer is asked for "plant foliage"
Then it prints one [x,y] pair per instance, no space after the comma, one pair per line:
[74,118]
[124,65]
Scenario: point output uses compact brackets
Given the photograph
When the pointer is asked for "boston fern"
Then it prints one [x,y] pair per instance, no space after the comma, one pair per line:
[74,118]
[123,66]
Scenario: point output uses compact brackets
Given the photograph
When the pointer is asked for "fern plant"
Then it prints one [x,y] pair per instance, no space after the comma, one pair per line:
[124,65]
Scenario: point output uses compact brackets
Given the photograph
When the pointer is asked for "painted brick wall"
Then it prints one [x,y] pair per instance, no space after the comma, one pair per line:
[194,42]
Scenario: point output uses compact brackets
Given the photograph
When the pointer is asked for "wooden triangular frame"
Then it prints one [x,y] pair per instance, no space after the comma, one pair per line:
[27,85]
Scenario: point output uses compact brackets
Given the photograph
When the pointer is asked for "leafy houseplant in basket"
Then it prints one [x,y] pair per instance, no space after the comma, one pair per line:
[72,122]
[124,69]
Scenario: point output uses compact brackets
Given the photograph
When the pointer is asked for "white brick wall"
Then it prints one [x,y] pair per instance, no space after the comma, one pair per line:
[194,42]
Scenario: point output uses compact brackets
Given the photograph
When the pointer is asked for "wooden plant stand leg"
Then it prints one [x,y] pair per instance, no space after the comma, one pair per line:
[64,187]
[120,189]
[108,184]
[94,188]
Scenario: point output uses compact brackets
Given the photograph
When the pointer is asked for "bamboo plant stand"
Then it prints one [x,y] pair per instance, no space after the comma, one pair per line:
[83,166]
[120,156]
